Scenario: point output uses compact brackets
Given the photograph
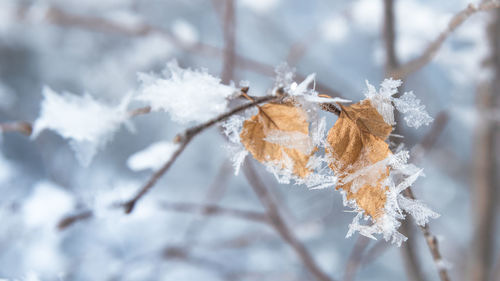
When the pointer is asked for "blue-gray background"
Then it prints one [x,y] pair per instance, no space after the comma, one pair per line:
[341,41]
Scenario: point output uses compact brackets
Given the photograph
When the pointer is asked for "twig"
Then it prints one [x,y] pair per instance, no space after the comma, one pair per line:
[433,245]
[72,219]
[59,17]
[355,258]
[485,193]
[412,266]
[279,224]
[432,49]
[212,209]
[389,32]
[229,42]
[183,139]
[24,128]
[139,111]
[392,63]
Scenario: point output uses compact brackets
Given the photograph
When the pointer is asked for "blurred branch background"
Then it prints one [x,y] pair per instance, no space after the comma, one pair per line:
[201,222]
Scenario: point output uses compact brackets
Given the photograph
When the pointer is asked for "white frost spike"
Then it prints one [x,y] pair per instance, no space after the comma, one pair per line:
[301,89]
[409,181]
[152,157]
[187,95]
[382,99]
[408,104]
[419,211]
[232,128]
[87,123]
[415,114]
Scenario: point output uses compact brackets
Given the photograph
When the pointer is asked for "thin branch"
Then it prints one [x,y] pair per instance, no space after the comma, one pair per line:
[26,128]
[139,111]
[214,210]
[433,245]
[486,184]
[229,42]
[355,258]
[389,33]
[60,17]
[184,139]
[72,219]
[279,224]
[432,49]
[412,265]
[22,127]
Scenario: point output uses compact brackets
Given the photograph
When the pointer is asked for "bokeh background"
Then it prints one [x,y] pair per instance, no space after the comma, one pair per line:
[97,47]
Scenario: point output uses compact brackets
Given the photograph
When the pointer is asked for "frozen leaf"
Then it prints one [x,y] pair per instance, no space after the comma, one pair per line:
[284,118]
[356,142]
[87,123]
[187,95]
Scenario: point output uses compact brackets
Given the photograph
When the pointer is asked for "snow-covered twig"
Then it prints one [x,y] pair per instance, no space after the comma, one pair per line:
[183,140]
[432,49]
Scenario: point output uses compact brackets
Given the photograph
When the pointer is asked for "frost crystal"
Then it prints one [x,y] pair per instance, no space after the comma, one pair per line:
[152,157]
[87,123]
[419,211]
[284,76]
[414,113]
[187,95]
[402,175]
[237,153]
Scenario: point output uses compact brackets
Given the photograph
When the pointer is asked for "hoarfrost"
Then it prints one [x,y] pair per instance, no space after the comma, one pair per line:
[87,123]
[415,114]
[383,100]
[152,157]
[187,95]
[237,153]
[284,76]
[402,175]
[419,211]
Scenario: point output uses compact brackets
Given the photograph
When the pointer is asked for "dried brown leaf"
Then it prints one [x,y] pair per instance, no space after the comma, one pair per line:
[357,140]
[272,117]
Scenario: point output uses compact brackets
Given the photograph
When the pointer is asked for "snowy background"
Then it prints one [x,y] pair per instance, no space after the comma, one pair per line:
[93,52]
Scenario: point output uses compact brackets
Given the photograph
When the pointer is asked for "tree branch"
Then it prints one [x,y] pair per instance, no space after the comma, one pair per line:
[279,224]
[432,243]
[60,17]
[184,139]
[213,209]
[22,127]
[432,49]
[355,258]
